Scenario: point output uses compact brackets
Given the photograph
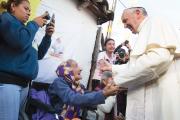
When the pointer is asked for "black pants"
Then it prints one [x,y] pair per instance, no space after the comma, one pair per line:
[121,102]
[95,83]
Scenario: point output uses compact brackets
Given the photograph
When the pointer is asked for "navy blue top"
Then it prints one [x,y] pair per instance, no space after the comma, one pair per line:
[63,91]
[18,58]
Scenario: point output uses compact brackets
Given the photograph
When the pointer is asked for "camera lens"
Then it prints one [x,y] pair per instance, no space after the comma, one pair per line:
[121,53]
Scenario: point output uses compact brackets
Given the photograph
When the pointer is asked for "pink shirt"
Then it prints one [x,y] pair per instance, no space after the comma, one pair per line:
[102,56]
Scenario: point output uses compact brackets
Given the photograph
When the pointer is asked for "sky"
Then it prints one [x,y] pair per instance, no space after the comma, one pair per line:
[165,8]
[168,9]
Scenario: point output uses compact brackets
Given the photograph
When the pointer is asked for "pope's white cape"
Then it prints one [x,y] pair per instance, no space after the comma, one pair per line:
[152,74]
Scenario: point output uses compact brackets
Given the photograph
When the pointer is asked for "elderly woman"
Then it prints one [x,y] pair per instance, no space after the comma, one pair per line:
[70,94]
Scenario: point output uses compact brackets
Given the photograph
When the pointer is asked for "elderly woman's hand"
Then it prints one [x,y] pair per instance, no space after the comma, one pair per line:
[110,90]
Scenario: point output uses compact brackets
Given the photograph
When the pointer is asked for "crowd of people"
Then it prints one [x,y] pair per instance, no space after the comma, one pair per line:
[148,74]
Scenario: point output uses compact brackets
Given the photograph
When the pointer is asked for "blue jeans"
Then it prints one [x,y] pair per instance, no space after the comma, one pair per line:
[12,97]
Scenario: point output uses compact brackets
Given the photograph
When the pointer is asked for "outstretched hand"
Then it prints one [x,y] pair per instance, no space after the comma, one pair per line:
[110,90]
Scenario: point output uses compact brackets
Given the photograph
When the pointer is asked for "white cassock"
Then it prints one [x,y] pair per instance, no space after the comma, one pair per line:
[153,73]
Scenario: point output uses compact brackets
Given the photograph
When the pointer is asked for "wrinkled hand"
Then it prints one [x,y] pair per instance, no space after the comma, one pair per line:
[110,90]
[50,29]
[40,20]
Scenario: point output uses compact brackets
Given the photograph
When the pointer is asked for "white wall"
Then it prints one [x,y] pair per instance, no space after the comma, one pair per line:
[77,30]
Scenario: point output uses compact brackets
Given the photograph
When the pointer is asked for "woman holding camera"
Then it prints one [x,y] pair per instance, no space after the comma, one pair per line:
[19,57]
[112,58]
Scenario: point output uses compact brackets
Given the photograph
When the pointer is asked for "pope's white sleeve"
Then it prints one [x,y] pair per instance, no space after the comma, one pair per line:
[146,67]
[108,105]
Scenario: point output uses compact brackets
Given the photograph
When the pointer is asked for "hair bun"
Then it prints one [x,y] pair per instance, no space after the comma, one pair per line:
[3,5]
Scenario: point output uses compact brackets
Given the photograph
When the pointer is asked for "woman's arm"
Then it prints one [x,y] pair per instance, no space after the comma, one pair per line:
[44,46]
[68,96]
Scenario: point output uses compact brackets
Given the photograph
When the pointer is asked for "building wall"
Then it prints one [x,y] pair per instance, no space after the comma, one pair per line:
[77,31]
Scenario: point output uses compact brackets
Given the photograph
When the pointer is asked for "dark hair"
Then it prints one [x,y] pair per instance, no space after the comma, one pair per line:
[107,40]
[7,5]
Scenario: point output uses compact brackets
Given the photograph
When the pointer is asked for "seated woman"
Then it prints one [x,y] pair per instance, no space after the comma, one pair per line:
[69,95]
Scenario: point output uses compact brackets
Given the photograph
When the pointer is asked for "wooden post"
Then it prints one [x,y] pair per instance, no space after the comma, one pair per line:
[94,56]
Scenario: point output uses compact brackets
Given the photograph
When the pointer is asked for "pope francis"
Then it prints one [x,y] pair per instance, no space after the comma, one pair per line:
[152,75]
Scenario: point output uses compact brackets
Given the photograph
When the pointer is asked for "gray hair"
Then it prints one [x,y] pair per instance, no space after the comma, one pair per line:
[106,75]
[142,9]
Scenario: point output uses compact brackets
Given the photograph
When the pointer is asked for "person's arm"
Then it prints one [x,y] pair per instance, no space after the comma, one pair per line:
[108,105]
[17,35]
[146,67]
[44,46]
[68,96]
[46,41]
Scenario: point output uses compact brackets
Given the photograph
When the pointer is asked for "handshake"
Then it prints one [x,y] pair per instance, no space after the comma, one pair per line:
[112,89]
